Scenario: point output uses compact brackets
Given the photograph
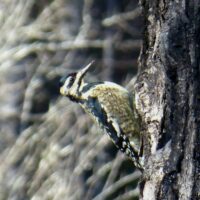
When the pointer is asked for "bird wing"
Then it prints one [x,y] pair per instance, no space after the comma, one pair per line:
[111,106]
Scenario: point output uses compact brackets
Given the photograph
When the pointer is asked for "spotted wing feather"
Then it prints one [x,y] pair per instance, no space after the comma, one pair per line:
[112,110]
[117,104]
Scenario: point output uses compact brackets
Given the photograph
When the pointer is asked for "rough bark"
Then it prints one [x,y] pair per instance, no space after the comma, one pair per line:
[168,91]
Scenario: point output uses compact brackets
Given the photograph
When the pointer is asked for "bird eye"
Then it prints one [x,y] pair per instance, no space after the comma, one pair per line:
[71,81]
[71,78]
[67,80]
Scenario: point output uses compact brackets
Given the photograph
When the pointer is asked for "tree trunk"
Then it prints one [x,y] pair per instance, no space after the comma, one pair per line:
[168,99]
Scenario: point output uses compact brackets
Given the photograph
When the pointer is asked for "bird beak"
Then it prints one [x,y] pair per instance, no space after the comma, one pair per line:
[82,72]
[75,88]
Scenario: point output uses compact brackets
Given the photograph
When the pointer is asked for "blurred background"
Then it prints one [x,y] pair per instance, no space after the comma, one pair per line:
[49,148]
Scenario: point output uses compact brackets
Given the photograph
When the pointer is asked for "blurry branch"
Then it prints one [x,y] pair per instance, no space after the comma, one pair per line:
[129,195]
[122,21]
[87,20]
[114,171]
[121,18]
[101,172]
[115,187]
[84,31]
[13,16]
[23,50]
[90,152]
[54,152]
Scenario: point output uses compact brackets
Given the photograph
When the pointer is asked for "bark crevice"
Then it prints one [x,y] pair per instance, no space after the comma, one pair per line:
[169,75]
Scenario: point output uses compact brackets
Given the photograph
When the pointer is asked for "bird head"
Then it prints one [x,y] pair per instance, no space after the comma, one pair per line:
[70,85]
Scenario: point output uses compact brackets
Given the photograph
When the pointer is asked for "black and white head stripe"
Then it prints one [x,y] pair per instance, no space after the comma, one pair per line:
[68,80]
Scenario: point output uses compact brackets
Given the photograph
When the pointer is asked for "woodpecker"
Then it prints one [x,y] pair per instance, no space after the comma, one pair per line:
[112,108]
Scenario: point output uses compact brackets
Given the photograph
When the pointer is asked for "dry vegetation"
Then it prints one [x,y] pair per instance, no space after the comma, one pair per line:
[49,148]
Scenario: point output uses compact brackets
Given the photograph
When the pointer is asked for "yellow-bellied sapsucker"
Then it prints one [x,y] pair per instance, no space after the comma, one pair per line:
[111,106]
